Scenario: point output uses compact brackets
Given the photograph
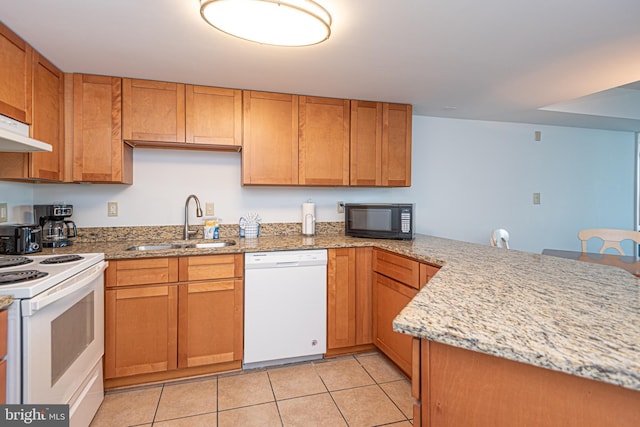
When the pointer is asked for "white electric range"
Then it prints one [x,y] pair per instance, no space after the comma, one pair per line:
[56,331]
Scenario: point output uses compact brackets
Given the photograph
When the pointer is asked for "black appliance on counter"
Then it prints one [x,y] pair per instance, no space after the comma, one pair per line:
[57,231]
[20,239]
[379,220]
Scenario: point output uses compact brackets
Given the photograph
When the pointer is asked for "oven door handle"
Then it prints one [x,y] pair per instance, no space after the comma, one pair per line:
[74,284]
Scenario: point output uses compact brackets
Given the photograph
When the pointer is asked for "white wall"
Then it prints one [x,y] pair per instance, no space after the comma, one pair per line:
[19,199]
[468,178]
[473,176]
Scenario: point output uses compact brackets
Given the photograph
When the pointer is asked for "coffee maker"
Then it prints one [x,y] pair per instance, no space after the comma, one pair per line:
[57,231]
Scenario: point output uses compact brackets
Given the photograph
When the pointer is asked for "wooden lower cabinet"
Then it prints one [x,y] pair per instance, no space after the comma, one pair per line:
[349,299]
[190,323]
[396,280]
[389,298]
[141,330]
[458,387]
[210,323]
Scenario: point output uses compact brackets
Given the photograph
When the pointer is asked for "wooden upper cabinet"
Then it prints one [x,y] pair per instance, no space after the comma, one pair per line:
[15,76]
[47,111]
[366,143]
[213,116]
[323,141]
[99,154]
[153,111]
[270,140]
[48,119]
[396,145]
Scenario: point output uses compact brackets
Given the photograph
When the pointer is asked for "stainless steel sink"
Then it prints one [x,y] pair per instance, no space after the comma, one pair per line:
[154,247]
[166,246]
[220,244]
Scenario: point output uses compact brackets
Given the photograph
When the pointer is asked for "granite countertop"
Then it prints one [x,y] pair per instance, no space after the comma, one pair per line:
[565,315]
[5,301]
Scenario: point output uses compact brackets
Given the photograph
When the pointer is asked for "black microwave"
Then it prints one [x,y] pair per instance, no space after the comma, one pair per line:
[379,221]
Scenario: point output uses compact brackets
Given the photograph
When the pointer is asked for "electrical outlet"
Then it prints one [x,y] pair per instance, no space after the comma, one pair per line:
[538,135]
[536,198]
[340,207]
[208,209]
[4,212]
[112,208]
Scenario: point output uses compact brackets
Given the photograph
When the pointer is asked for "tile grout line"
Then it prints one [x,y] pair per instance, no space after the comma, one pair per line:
[273,393]
[331,395]
[155,413]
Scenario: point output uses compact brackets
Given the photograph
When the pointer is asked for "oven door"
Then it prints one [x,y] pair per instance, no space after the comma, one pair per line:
[63,337]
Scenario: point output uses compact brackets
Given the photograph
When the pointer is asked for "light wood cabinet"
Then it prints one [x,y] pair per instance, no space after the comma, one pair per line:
[396,145]
[396,281]
[270,138]
[458,387]
[153,111]
[380,144]
[15,76]
[366,144]
[47,125]
[349,299]
[213,116]
[323,146]
[172,317]
[210,310]
[99,154]
[141,330]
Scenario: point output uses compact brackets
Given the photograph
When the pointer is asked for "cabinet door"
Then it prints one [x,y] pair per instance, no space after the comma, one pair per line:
[214,116]
[153,111]
[389,298]
[210,323]
[15,76]
[324,141]
[396,145]
[341,298]
[99,155]
[48,120]
[366,143]
[140,330]
[349,297]
[270,139]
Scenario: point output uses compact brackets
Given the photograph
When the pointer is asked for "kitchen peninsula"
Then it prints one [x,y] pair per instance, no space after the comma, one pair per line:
[552,315]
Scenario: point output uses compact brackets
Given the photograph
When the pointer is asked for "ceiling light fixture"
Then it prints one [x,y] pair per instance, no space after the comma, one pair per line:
[280,23]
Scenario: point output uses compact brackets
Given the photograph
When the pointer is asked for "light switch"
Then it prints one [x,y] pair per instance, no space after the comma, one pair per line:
[112,208]
[4,212]
[209,209]
[536,198]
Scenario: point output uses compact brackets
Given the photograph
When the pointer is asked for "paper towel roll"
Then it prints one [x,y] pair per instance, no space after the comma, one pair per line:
[309,218]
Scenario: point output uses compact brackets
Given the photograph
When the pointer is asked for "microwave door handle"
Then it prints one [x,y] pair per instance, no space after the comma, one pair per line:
[62,290]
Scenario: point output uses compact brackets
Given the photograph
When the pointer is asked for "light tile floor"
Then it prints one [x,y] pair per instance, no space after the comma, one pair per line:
[354,391]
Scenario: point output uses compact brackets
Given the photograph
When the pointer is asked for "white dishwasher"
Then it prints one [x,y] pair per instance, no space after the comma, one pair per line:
[285,307]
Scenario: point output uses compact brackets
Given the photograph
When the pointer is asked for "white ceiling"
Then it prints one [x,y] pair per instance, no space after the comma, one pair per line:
[490,60]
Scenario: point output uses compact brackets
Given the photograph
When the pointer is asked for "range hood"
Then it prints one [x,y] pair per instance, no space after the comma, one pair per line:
[14,137]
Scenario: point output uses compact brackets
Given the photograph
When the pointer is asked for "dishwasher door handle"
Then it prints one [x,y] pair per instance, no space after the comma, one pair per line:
[287,264]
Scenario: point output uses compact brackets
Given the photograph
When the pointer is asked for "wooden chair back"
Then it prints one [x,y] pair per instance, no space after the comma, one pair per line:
[611,238]
[500,238]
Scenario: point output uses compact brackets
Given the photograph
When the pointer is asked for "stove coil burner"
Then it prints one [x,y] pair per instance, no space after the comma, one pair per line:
[61,259]
[12,261]
[9,277]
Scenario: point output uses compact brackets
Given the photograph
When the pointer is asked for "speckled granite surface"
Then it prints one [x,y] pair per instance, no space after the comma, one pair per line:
[565,315]
[5,301]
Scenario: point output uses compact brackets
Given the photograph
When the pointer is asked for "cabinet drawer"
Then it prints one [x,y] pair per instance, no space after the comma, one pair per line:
[3,332]
[208,267]
[397,267]
[146,271]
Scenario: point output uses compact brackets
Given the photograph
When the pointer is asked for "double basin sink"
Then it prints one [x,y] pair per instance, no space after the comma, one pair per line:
[166,246]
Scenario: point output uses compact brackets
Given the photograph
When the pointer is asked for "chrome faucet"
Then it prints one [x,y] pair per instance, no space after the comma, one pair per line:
[188,232]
